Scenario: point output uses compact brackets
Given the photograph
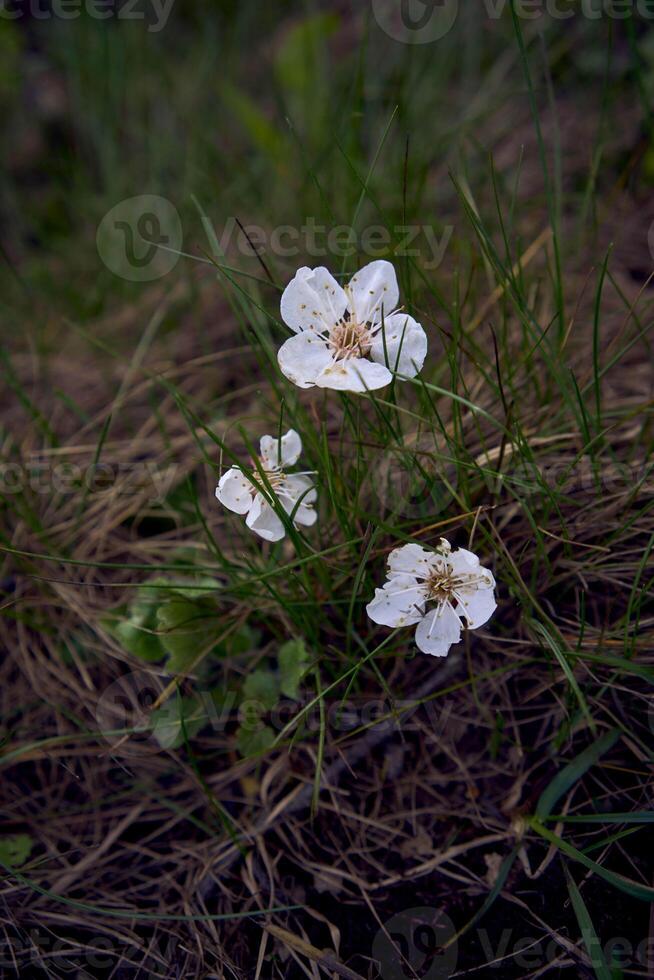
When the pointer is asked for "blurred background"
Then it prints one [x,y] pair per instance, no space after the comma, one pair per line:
[271,114]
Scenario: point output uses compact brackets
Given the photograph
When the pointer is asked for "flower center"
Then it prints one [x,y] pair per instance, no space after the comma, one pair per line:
[441,584]
[445,585]
[350,339]
[274,475]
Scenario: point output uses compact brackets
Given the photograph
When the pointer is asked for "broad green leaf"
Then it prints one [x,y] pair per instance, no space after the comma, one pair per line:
[293,662]
[173,719]
[15,849]
[262,686]
[185,630]
[136,633]
[137,640]
[254,741]
[201,587]
[244,640]
[572,773]
[198,587]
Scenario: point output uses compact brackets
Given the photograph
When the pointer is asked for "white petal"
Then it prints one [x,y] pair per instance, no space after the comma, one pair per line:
[303,357]
[306,516]
[299,488]
[313,300]
[478,607]
[436,633]
[463,562]
[355,374]
[374,287]
[263,520]
[287,455]
[412,559]
[406,345]
[234,491]
[400,603]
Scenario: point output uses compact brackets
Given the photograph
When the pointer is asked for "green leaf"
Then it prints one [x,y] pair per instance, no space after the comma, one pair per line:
[134,638]
[244,640]
[201,587]
[638,817]
[500,881]
[254,741]
[627,885]
[176,721]
[161,587]
[136,633]
[15,849]
[293,662]
[588,933]
[262,686]
[566,778]
[561,656]
[185,630]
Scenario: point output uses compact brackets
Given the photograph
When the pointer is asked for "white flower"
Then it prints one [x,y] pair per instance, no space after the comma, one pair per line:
[451,583]
[348,338]
[295,491]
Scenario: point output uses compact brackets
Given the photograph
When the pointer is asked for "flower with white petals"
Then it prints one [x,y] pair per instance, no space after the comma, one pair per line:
[435,590]
[350,338]
[294,491]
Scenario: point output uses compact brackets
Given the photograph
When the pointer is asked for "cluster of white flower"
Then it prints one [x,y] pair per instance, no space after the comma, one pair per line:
[254,496]
[451,583]
[353,338]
